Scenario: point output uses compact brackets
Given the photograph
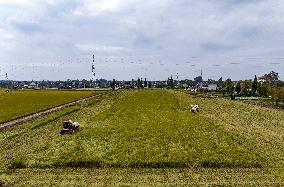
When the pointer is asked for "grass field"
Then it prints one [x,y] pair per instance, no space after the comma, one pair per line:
[2,90]
[21,103]
[148,138]
[265,103]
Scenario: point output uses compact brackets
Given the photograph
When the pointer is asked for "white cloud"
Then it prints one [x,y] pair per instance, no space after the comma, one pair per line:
[101,48]
[94,8]
[17,2]
[215,32]
[6,35]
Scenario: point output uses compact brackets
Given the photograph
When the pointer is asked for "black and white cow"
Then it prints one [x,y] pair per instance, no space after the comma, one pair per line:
[194,108]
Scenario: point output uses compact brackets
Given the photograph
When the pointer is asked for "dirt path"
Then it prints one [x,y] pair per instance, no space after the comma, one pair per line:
[45,112]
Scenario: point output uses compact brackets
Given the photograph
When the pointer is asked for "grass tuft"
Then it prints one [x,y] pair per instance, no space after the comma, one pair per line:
[17,164]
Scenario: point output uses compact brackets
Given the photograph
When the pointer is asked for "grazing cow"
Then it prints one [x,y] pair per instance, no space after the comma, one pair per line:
[194,108]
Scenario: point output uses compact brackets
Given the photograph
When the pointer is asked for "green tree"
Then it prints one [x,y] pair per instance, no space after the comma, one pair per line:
[84,83]
[132,84]
[277,94]
[113,84]
[263,89]
[229,86]
[246,87]
[220,82]
[254,86]
[273,75]
[145,83]
[138,83]
[43,84]
[211,81]
[198,79]
[238,87]
[141,83]
[190,82]
[160,84]
[150,85]
[171,82]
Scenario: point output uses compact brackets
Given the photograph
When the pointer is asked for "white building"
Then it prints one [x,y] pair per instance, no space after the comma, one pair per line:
[212,87]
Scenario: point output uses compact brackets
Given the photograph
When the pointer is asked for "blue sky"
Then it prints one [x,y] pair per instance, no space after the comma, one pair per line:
[55,39]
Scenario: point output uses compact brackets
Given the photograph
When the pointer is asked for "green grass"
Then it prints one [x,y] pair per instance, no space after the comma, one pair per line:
[262,127]
[144,129]
[148,138]
[2,90]
[265,102]
[140,177]
[21,103]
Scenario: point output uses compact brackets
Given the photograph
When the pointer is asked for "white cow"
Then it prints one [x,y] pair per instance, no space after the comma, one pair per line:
[194,108]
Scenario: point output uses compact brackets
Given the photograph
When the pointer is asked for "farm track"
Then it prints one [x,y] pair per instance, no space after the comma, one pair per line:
[30,117]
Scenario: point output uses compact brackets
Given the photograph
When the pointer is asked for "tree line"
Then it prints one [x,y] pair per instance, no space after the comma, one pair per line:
[248,88]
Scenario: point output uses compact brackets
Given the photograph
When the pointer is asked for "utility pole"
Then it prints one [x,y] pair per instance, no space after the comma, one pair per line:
[6,77]
[177,80]
[93,71]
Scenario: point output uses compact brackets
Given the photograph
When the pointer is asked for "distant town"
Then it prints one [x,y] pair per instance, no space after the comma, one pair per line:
[197,84]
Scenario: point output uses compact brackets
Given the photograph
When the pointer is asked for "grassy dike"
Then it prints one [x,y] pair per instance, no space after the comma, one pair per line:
[146,138]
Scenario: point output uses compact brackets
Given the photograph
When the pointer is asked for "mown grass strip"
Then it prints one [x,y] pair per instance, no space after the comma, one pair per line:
[22,103]
[140,177]
[24,119]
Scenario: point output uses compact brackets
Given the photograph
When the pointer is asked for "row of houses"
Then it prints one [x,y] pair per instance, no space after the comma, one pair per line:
[103,83]
[204,86]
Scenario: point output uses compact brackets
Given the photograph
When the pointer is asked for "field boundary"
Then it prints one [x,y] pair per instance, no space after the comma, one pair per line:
[30,117]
